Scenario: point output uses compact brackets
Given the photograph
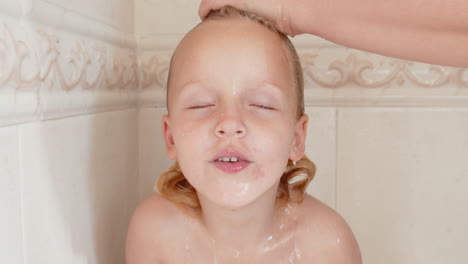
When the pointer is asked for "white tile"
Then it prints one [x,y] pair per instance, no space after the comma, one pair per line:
[10,8]
[160,17]
[79,187]
[10,198]
[152,152]
[114,13]
[402,181]
[321,148]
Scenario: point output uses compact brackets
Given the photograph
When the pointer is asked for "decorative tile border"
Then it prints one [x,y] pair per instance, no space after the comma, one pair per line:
[86,65]
[355,78]
[365,73]
[53,66]
[350,71]
[46,73]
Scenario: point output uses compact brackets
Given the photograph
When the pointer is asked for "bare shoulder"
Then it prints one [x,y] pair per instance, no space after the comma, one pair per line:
[151,223]
[325,235]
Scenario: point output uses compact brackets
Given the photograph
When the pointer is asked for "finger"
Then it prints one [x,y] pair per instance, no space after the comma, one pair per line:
[207,5]
[203,9]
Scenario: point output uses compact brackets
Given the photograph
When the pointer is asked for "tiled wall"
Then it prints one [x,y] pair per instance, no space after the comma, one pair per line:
[82,93]
[68,130]
[402,176]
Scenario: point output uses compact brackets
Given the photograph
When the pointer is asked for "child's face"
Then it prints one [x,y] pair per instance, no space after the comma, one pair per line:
[232,94]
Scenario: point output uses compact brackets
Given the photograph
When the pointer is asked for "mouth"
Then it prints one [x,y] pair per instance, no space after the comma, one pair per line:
[231,161]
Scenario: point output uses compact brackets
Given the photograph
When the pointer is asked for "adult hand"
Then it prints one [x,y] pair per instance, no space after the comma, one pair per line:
[434,32]
[277,11]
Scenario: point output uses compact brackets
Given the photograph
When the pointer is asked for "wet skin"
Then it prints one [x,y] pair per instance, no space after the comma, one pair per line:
[311,232]
[231,95]
[231,91]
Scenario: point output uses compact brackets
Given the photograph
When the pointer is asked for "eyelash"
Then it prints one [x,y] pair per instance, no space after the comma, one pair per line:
[200,106]
[210,105]
[263,107]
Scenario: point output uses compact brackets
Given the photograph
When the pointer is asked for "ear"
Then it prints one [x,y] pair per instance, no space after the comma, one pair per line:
[300,133]
[168,137]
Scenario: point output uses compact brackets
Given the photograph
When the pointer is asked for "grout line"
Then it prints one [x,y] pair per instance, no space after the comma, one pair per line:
[138,160]
[336,157]
[21,188]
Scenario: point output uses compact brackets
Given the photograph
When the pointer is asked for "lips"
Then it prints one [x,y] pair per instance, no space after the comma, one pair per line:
[230,161]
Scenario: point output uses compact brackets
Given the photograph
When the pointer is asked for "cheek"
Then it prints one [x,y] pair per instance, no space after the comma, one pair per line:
[187,147]
[277,139]
[191,142]
[190,170]
[189,134]
[274,150]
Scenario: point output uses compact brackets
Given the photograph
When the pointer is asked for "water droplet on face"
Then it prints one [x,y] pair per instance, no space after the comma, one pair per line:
[288,209]
[295,256]
[236,253]
[245,189]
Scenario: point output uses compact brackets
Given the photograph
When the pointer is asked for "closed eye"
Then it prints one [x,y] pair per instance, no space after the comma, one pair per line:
[263,106]
[200,106]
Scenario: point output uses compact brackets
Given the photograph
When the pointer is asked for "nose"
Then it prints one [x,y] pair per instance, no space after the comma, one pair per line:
[230,126]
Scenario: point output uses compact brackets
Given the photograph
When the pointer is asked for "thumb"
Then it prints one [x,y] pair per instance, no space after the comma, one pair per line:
[207,5]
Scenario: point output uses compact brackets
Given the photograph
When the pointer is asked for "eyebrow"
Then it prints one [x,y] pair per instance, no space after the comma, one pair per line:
[182,87]
[192,88]
[191,83]
[268,85]
[261,86]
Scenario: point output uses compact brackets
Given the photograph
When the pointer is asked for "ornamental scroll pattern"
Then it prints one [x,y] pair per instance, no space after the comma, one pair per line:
[87,66]
[107,67]
[343,72]
[154,71]
[84,61]
[364,73]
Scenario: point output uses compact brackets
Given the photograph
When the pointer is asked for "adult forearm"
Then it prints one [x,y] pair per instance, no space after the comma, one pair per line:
[430,31]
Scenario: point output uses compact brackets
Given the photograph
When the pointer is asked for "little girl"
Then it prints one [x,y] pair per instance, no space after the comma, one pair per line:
[236,127]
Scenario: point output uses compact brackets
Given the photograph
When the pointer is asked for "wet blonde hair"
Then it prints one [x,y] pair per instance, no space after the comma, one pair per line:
[172,183]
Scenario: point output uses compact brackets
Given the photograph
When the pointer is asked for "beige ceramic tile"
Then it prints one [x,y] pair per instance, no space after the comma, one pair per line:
[10,8]
[320,148]
[402,181]
[117,14]
[79,187]
[152,153]
[10,198]
[160,17]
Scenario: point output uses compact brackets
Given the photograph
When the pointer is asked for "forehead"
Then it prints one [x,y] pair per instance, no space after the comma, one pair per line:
[231,49]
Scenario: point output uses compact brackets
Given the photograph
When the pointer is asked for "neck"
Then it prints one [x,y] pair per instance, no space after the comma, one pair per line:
[240,228]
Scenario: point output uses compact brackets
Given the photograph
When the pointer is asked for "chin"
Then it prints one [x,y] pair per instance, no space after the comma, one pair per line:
[236,204]
[235,201]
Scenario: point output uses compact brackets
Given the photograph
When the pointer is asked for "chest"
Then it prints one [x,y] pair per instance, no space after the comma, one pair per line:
[198,251]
